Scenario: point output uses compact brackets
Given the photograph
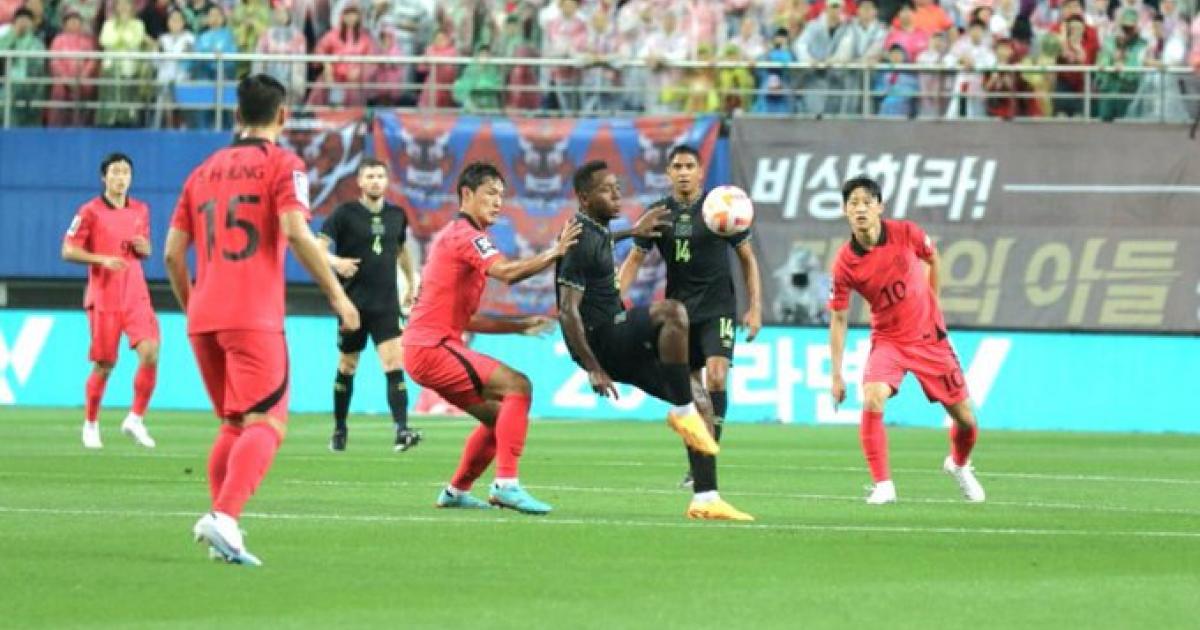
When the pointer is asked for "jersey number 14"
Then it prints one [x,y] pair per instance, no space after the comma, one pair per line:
[683,250]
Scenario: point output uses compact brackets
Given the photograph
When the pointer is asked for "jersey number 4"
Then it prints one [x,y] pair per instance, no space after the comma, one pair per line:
[683,250]
[232,222]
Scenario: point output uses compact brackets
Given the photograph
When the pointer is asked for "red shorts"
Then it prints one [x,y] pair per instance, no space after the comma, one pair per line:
[451,369]
[934,364]
[138,324]
[244,371]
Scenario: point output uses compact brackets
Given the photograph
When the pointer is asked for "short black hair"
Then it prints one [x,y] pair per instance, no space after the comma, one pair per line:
[683,149]
[369,162]
[582,181]
[475,174]
[22,12]
[113,158]
[977,22]
[259,98]
[862,181]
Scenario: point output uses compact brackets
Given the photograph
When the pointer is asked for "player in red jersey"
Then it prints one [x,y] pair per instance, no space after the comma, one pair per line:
[111,235]
[460,260]
[242,208]
[894,266]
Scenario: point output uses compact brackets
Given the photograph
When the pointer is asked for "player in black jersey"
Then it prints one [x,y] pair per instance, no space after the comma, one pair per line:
[366,237]
[647,346]
[698,275]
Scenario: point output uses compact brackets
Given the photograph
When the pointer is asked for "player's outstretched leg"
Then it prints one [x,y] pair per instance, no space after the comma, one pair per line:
[93,393]
[684,418]
[957,464]
[143,388]
[478,453]
[873,437]
[343,391]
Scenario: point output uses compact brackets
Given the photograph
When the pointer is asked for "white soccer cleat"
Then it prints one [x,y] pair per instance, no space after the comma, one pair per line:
[224,539]
[881,493]
[91,435]
[136,430]
[965,476]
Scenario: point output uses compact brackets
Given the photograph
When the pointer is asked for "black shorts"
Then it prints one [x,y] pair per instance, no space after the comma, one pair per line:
[628,350]
[711,338]
[381,326]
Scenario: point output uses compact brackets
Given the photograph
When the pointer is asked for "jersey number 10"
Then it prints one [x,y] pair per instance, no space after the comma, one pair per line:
[209,209]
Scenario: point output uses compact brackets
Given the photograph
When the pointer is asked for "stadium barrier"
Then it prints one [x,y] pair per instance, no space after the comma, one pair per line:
[591,86]
[1042,381]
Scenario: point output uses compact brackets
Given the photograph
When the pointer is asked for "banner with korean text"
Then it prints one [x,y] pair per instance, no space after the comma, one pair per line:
[1048,226]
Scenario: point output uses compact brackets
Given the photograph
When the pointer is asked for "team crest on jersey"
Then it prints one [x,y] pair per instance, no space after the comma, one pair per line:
[300,183]
[74,225]
[484,247]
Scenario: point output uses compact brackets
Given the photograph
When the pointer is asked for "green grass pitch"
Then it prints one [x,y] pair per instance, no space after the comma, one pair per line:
[1080,531]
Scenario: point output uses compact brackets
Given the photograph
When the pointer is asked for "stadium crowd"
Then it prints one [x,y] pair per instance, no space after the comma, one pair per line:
[968,39]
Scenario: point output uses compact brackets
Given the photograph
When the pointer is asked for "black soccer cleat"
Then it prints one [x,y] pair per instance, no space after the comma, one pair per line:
[406,439]
[337,443]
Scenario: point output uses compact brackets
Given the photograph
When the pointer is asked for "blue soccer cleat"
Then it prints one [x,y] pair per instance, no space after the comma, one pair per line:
[514,497]
[463,500]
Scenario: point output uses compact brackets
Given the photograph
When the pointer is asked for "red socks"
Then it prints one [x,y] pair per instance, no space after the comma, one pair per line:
[218,458]
[478,453]
[249,459]
[874,445]
[962,440]
[143,387]
[511,427]
[93,392]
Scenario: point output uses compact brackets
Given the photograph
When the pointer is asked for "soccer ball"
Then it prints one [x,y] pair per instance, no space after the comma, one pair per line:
[728,210]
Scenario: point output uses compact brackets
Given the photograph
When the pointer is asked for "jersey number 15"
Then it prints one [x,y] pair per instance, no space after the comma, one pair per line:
[232,222]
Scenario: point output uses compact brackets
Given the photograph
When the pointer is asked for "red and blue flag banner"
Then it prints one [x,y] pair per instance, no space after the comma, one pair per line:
[331,145]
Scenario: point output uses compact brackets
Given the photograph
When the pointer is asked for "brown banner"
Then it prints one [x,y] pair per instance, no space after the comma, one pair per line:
[1039,226]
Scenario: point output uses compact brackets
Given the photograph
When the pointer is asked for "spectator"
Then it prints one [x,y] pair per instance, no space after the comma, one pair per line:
[470,22]
[1159,94]
[897,88]
[930,17]
[522,81]
[601,79]
[8,11]
[817,45]
[171,72]
[87,10]
[1173,20]
[816,8]
[702,21]
[1042,83]
[480,88]
[344,79]
[565,35]
[23,70]
[390,79]
[43,27]
[216,38]
[1046,16]
[736,13]
[249,21]
[439,78]
[284,38]
[970,54]
[1144,12]
[736,84]
[905,32]
[1069,85]
[935,86]
[123,97]
[774,84]
[1004,17]
[72,77]
[1194,55]
[1098,16]
[697,92]
[196,12]
[863,44]
[154,17]
[749,38]
[1122,50]
[658,50]
[1091,38]
[412,25]
[1004,87]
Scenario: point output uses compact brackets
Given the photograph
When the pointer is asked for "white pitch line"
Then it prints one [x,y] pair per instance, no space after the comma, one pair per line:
[1129,189]
[558,521]
[335,483]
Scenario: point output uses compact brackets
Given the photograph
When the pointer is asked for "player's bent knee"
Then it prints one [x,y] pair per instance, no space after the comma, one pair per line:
[348,364]
[675,313]
[875,396]
[520,385]
[103,368]
[278,425]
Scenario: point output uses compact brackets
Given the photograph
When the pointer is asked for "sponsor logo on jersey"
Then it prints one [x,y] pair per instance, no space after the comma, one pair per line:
[300,184]
[74,225]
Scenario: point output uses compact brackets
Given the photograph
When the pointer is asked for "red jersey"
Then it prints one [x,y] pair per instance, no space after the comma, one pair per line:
[106,230]
[231,206]
[452,283]
[891,279]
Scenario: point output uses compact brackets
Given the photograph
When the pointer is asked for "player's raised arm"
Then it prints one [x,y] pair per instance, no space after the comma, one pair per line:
[175,260]
[310,254]
[514,271]
[650,225]
[753,318]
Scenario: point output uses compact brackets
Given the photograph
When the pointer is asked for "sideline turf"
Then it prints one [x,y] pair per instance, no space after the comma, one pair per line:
[1096,531]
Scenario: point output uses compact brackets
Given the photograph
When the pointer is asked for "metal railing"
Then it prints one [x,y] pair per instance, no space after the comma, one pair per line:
[594,86]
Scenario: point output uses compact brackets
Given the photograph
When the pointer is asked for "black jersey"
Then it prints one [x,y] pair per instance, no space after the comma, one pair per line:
[588,266]
[375,238]
[697,262]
